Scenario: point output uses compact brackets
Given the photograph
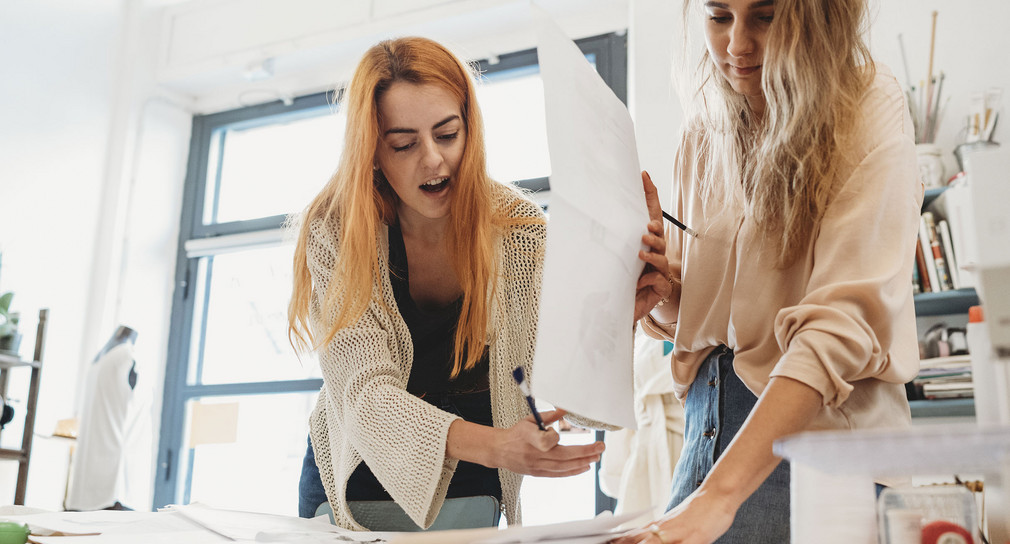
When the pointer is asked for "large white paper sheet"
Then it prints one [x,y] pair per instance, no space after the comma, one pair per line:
[101,522]
[252,526]
[598,214]
[178,537]
[596,530]
[195,523]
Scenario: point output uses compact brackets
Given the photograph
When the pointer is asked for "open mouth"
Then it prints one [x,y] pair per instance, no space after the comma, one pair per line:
[743,71]
[436,185]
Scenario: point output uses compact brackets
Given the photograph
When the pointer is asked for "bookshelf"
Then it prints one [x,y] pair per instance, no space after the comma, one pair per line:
[949,302]
[945,408]
[956,301]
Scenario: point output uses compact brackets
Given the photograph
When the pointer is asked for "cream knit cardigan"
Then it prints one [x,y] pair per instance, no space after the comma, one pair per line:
[364,411]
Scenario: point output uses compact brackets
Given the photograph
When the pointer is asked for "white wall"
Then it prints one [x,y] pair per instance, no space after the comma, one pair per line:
[972,41]
[94,128]
[74,108]
[55,116]
[653,40]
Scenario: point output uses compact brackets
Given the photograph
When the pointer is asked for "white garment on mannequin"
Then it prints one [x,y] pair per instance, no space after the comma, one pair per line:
[637,466]
[98,459]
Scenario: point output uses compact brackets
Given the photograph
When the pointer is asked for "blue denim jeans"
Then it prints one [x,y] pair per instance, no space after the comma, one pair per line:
[310,486]
[717,405]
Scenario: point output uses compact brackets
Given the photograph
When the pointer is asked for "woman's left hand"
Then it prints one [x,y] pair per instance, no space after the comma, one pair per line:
[700,519]
[653,283]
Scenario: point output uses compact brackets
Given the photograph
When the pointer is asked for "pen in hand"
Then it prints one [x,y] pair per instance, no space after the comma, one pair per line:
[524,388]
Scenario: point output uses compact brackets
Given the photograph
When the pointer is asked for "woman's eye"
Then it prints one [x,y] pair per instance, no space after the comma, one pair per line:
[449,136]
[402,147]
[766,18]
[720,19]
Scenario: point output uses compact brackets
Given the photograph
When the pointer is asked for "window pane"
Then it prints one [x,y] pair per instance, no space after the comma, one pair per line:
[250,463]
[240,319]
[271,169]
[540,496]
[515,127]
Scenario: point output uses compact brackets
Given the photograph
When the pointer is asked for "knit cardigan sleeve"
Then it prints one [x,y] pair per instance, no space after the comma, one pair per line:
[365,368]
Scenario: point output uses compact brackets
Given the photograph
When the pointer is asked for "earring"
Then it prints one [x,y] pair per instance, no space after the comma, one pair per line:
[375,167]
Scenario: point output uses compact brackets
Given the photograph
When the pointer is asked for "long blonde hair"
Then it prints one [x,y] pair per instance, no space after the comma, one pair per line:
[816,70]
[363,201]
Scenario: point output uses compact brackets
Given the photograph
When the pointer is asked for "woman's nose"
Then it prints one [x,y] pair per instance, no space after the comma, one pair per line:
[741,43]
[432,156]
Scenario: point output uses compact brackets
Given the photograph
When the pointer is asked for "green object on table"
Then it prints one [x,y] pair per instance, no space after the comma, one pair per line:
[13,533]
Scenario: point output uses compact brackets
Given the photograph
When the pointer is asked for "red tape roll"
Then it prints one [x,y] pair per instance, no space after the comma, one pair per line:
[945,532]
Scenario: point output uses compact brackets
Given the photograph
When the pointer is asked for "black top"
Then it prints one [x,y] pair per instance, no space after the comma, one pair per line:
[468,396]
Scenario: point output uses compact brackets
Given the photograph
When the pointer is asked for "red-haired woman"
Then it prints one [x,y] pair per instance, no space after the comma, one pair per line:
[417,279]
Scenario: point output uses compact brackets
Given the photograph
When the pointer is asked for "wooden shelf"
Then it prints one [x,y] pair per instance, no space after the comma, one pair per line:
[956,301]
[8,362]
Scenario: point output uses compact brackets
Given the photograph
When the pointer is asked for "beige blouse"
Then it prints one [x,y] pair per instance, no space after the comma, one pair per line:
[841,318]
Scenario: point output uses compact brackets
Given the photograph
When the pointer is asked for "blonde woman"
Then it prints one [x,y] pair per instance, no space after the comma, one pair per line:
[417,279]
[792,310]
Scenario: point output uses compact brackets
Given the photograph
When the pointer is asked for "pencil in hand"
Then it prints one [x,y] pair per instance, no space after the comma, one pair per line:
[680,225]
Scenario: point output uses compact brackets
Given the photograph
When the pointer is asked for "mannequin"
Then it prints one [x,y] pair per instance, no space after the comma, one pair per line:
[96,478]
[122,335]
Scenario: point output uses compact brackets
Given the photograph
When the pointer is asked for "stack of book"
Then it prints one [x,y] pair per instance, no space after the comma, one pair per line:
[944,251]
[944,378]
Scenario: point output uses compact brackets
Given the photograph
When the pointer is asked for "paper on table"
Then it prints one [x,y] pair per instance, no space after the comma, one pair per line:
[267,527]
[598,215]
[194,523]
[590,531]
[100,521]
[189,537]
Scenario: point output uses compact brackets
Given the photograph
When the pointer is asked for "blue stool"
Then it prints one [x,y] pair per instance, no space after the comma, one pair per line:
[459,513]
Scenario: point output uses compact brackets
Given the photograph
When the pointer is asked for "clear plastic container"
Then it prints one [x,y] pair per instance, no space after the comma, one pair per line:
[948,513]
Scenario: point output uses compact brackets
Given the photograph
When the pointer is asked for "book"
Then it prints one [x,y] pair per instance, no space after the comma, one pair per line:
[930,262]
[920,270]
[954,206]
[916,278]
[950,361]
[942,272]
[949,252]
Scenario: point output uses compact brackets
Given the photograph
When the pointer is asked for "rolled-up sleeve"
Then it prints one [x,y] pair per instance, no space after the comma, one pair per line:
[859,290]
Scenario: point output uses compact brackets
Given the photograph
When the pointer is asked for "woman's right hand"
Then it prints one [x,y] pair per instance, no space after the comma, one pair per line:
[525,449]
[654,285]
[522,448]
